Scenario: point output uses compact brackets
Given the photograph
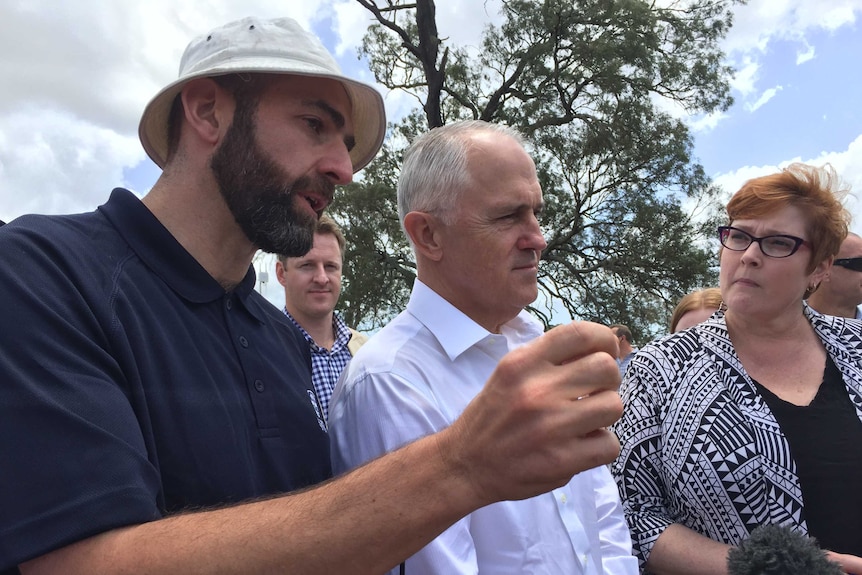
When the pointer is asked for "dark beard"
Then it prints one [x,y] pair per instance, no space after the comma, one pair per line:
[259,194]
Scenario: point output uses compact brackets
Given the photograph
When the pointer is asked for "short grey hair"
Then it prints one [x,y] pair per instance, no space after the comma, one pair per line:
[435,171]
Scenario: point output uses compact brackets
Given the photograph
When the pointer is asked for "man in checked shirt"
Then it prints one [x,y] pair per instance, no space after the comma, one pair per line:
[312,284]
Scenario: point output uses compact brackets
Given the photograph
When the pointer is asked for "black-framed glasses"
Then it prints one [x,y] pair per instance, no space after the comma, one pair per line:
[854,264]
[777,246]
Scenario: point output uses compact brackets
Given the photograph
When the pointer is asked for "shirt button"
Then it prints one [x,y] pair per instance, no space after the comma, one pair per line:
[243,341]
[258,385]
[229,305]
[563,498]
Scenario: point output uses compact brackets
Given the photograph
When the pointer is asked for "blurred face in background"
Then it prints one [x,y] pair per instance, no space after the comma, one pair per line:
[312,283]
[844,284]
[693,317]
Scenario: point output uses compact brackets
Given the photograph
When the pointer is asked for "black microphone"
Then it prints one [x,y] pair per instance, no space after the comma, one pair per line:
[776,550]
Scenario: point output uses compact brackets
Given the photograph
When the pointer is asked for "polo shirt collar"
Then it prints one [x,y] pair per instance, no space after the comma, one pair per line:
[454,330]
[164,255]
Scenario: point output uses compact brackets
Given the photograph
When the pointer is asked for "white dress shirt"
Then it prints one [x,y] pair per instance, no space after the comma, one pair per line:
[414,378]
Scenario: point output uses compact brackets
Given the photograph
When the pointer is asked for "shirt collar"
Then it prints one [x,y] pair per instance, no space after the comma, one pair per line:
[339,327]
[454,330]
[342,332]
[164,255]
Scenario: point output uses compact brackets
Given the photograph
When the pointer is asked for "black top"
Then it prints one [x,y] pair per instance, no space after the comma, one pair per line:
[825,439]
[133,386]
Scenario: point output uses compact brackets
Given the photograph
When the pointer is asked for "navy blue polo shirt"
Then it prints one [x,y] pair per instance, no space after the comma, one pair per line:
[132,386]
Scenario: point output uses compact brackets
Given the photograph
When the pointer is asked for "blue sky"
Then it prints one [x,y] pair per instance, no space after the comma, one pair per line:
[78,74]
[814,107]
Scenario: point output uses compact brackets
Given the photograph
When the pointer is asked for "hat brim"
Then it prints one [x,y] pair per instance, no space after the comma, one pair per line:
[369,114]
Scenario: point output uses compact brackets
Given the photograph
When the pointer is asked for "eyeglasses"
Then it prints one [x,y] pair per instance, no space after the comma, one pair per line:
[778,246]
[854,264]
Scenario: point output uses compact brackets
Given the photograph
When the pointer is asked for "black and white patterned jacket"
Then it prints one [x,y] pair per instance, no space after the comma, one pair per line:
[700,446]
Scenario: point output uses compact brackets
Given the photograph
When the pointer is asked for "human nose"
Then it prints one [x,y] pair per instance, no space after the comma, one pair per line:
[320,275]
[533,238]
[752,254]
[337,165]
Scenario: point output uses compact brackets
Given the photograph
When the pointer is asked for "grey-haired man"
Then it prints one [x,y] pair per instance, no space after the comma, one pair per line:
[151,419]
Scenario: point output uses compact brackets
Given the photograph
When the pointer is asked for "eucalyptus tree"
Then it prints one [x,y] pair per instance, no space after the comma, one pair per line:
[597,87]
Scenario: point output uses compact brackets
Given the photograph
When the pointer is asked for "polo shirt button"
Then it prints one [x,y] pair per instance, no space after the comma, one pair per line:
[243,341]
[229,305]
[258,385]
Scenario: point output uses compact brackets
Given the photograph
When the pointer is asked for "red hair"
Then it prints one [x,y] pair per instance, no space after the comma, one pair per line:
[816,192]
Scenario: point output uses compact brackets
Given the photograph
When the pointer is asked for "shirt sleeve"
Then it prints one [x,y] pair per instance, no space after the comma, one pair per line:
[74,462]
[638,470]
[373,414]
[614,535]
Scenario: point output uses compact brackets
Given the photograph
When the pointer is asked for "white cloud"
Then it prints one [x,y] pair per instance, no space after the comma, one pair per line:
[78,74]
[705,122]
[52,162]
[462,22]
[760,23]
[848,164]
[351,21]
[76,77]
[766,96]
[806,55]
[829,14]
[745,78]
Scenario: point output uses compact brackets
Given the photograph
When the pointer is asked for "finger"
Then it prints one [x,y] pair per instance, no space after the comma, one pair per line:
[584,376]
[599,447]
[851,564]
[569,341]
[595,411]
[569,421]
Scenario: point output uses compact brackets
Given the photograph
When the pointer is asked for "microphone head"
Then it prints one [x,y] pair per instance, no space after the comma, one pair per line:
[776,550]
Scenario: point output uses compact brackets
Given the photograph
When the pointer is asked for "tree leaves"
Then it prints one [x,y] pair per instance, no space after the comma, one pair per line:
[629,215]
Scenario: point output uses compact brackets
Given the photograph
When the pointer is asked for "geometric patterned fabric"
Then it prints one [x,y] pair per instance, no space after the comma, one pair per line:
[700,446]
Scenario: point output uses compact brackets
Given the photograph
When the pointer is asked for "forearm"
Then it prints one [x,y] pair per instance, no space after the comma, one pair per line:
[681,551]
[538,420]
[365,522]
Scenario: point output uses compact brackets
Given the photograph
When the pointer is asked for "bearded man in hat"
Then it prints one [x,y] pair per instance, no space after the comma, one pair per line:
[156,411]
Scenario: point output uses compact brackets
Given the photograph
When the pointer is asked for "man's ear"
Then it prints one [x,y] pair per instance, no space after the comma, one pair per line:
[425,232]
[208,109]
[821,272]
[279,272]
